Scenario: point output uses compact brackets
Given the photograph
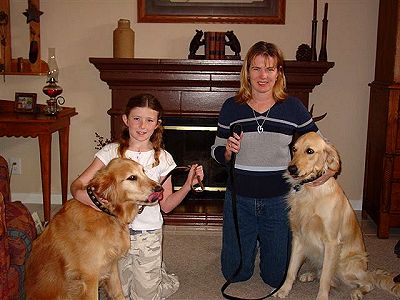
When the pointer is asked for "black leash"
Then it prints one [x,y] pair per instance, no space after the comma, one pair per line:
[199,188]
[237,128]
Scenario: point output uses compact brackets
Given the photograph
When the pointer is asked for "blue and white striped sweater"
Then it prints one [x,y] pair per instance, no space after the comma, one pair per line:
[263,157]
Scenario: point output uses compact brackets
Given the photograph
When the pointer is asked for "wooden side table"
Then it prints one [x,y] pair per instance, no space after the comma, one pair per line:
[39,125]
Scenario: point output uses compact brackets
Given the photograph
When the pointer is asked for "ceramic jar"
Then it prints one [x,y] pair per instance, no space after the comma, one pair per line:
[123,40]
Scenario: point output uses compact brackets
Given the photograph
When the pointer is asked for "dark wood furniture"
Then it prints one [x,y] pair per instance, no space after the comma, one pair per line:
[191,88]
[381,199]
[39,125]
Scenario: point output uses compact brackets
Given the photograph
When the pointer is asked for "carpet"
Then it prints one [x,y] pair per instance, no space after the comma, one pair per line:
[194,255]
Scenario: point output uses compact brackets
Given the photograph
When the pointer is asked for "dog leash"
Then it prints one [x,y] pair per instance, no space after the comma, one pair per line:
[198,189]
[237,128]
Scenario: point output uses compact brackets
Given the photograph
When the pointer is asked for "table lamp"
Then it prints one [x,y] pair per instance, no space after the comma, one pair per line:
[52,89]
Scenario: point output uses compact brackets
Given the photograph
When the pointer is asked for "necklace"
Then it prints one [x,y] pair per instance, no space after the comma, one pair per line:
[138,155]
[260,128]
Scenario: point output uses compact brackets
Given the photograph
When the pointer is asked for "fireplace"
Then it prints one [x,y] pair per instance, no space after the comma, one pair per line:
[192,92]
[189,141]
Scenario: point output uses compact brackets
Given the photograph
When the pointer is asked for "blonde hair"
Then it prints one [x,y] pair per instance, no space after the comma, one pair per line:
[267,50]
[144,100]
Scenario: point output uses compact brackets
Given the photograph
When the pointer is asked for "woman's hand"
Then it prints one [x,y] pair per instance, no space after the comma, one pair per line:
[232,145]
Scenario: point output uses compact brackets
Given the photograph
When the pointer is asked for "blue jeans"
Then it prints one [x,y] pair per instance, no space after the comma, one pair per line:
[260,220]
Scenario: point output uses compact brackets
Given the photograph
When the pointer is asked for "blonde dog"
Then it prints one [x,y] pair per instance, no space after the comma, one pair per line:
[81,246]
[324,226]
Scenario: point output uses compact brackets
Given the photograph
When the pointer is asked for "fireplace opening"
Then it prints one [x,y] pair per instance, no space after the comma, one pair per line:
[189,141]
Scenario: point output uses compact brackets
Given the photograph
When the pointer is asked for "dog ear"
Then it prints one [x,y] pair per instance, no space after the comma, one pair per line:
[104,185]
[332,158]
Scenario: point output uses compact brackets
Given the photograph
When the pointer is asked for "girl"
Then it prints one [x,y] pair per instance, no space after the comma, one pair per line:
[142,271]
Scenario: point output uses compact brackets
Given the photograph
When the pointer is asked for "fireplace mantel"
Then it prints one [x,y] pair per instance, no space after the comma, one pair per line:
[191,88]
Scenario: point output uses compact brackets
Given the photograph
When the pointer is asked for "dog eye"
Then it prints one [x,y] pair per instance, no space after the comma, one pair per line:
[309,151]
[132,177]
[294,149]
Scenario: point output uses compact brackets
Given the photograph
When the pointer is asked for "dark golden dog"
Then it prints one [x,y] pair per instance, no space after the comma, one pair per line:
[81,246]
[324,226]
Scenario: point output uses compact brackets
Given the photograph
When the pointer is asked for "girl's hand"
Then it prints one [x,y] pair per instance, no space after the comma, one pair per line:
[195,176]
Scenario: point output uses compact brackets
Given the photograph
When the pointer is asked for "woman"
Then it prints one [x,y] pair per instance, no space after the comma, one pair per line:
[269,119]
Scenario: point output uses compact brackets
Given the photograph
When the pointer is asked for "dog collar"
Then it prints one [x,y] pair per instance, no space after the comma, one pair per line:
[297,187]
[96,202]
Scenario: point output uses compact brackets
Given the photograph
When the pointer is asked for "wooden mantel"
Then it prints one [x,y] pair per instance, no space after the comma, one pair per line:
[191,88]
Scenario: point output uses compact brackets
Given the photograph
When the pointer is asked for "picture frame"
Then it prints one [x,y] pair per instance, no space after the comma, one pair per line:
[245,12]
[25,102]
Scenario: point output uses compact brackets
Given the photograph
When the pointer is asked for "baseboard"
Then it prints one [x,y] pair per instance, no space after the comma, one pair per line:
[356,204]
[56,199]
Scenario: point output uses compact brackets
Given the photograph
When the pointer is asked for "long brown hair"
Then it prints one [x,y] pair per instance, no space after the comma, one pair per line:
[144,100]
[267,50]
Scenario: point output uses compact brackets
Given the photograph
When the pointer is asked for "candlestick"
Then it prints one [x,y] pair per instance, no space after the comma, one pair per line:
[323,54]
[315,10]
[314,33]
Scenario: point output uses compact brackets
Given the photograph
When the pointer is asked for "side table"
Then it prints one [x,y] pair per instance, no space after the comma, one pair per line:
[13,124]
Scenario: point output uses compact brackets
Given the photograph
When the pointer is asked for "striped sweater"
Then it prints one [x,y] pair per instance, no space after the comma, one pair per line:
[263,157]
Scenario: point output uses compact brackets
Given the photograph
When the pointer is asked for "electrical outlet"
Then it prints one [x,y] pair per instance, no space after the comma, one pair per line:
[15,165]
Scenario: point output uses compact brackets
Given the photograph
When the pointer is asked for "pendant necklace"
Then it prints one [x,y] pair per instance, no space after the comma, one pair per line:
[138,155]
[260,128]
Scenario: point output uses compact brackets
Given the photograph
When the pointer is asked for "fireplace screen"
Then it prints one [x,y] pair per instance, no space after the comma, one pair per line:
[189,140]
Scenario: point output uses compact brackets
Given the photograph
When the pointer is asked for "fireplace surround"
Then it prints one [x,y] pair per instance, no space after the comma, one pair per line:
[192,92]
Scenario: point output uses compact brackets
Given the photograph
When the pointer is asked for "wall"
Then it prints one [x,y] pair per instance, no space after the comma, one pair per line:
[80,29]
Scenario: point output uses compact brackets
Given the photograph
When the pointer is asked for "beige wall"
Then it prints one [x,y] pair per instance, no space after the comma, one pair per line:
[80,29]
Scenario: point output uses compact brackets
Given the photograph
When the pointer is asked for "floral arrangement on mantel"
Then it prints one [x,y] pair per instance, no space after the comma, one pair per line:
[100,141]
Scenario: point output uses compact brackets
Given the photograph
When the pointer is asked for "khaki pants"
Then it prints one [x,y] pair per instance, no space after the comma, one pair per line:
[142,272]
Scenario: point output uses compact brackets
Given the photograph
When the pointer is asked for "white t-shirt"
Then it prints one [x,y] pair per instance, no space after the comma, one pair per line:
[151,217]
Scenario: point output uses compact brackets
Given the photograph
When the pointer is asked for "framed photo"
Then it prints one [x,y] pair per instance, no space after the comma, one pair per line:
[246,11]
[25,102]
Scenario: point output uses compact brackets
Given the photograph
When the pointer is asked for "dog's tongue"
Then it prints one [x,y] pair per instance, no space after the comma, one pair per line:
[155,196]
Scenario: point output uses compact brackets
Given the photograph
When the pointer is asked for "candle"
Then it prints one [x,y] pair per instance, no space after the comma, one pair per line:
[315,10]
[326,11]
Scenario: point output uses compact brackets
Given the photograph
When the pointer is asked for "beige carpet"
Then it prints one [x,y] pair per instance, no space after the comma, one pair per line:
[194,255]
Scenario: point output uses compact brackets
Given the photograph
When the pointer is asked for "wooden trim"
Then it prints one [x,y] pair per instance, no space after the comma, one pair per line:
[257,12]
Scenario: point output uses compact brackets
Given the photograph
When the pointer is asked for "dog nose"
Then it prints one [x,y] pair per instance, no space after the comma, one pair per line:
[158,188]
[293,170]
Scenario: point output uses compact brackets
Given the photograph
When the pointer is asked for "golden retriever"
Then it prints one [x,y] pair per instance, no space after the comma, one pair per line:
[80,247]
[324,226]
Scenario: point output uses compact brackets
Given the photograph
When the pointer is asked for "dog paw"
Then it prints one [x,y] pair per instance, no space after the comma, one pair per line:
[356,294]
[307,277]
[281,293]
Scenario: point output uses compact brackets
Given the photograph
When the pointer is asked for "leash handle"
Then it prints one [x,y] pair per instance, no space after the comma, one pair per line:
[196,188]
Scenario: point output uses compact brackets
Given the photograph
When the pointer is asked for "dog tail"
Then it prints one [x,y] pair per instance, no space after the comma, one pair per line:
[384,280]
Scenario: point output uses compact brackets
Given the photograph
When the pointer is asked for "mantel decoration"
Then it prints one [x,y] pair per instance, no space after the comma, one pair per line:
[307,53]
[214,45]
[52,89]
[123,40]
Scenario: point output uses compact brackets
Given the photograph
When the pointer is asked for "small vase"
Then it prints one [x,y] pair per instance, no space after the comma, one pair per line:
[123,40]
